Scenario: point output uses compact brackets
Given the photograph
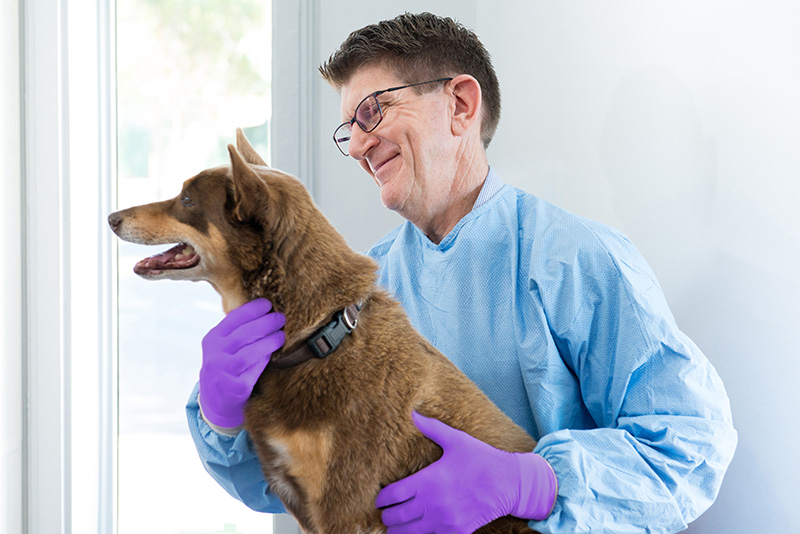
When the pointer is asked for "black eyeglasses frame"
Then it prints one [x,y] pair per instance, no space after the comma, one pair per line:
[380,111]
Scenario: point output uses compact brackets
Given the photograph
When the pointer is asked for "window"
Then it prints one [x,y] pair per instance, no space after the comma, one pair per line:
[188,74]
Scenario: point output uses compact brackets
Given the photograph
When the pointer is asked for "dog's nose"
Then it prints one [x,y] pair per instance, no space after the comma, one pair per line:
[114,220]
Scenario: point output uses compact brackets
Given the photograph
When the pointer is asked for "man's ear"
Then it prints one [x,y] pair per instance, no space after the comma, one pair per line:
[246,149]
[468,107]
[249,189]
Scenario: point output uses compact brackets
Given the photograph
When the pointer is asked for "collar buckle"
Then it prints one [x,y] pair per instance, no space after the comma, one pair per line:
[325,340]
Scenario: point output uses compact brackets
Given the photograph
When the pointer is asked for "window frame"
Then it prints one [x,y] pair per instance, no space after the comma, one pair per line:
[68,153]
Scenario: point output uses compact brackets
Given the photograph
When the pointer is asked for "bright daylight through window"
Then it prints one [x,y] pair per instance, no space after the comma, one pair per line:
[189,73]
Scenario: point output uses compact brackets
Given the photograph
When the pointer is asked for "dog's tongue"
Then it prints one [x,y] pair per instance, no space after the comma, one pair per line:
[181,256]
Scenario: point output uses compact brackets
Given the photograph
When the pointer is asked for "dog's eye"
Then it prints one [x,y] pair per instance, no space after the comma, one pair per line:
[187,201]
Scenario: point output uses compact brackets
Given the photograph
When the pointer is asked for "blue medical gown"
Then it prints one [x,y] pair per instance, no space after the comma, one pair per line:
[561,322]
[231,461]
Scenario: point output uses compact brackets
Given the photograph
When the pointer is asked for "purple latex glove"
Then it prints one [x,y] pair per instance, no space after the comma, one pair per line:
[235,353]
[471,485]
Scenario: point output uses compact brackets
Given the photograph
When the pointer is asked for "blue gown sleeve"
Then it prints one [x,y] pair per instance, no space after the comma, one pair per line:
[664,435]
[232,462]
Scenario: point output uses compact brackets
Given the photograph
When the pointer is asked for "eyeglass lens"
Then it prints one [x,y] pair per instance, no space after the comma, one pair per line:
[342,137]
[368,115]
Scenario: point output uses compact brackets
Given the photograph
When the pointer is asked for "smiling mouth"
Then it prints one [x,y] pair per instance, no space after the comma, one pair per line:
[384,162]
[181,256]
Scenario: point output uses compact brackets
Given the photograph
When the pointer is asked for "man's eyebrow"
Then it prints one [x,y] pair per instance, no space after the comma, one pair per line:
[387,97]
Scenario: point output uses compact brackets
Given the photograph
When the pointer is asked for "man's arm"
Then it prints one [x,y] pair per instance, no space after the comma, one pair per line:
[235,353]
[650,472]
[231,461]
[666,435]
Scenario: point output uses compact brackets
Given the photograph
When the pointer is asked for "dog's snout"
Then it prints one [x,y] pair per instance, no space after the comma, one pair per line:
[114,220]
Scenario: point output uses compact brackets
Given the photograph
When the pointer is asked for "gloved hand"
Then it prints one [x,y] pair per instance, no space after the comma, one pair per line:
[471,485]
[235,353]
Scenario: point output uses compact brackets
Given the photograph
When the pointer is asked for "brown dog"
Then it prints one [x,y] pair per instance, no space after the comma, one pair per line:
[330,432]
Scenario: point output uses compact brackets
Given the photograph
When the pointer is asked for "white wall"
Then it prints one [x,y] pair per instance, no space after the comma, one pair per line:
[676,122]
[10,274]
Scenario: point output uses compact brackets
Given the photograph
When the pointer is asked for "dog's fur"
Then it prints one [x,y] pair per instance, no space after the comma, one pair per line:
[330,433]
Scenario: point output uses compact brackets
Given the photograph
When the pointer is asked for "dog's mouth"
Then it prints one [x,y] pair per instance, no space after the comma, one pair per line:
[181,256]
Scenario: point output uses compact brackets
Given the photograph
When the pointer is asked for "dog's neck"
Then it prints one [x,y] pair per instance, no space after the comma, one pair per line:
[308,282]
[232,293]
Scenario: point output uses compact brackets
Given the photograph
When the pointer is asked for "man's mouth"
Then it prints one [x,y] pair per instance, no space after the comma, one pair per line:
[381,164]
[181,256]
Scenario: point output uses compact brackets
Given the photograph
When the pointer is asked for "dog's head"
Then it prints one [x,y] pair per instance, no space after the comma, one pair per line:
[230,226]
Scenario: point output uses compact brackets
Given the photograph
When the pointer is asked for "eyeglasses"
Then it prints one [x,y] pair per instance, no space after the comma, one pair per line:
[368,115]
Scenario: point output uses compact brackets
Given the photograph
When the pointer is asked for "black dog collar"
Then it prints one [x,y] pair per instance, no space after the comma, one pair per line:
[324,341]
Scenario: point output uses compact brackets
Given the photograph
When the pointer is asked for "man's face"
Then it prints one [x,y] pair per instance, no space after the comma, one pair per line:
[410,154]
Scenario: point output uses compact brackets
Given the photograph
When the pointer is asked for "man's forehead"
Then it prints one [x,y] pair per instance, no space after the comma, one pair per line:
[363,82]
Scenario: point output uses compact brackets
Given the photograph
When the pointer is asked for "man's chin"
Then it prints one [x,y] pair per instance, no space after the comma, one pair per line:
[390,198]
[389,203]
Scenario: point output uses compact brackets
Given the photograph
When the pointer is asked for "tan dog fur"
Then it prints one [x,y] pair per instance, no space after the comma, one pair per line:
[330,433]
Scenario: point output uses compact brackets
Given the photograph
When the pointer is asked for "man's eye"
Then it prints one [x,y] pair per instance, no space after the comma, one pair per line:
[368,110]
[373,108]
[187,201]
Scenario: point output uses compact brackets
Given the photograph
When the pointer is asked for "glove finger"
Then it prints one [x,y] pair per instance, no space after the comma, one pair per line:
[269,323]
[402,513]
[397,493]
[255,357]
[253,331]
[442,434]
[238,391]
[241,315]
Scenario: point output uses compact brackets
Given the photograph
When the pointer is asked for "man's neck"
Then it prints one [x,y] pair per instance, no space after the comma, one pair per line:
[465,188]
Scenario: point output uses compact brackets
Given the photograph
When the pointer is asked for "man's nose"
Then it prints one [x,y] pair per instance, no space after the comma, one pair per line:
[360,143]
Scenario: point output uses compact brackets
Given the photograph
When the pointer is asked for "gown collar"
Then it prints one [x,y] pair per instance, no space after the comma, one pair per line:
[492,185]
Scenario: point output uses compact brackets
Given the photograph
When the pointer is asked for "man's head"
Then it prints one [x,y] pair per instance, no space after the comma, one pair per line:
[418,48]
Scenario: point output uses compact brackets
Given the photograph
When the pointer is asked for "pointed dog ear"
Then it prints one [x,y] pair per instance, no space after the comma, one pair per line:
[248,187]
[247,150]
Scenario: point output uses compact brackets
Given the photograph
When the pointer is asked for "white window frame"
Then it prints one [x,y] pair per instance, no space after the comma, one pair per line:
[46,471]
[295,89]
[295,97]
[69,264]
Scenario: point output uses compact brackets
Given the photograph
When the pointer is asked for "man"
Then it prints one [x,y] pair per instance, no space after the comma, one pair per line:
[558,319]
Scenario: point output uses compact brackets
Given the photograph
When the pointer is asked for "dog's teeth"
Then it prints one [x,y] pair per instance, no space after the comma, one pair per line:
[179,255]
[188,251]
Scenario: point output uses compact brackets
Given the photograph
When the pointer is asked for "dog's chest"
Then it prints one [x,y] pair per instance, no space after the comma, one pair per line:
[295,463]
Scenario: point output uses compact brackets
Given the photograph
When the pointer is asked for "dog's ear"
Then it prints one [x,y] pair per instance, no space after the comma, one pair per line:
[246,149]
[249,189]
